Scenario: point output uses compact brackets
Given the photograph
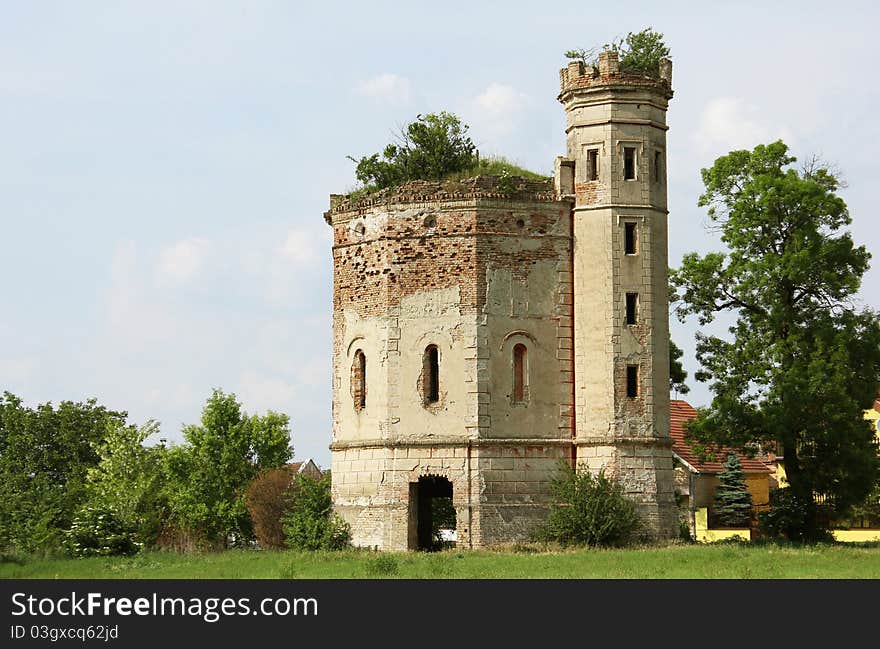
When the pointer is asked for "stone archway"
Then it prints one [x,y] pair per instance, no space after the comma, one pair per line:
[430,500]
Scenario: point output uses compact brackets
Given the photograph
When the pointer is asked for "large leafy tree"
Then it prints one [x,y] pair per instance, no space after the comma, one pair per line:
[45,455]
[208,476]
[801,362]
[129,479]
[429,148]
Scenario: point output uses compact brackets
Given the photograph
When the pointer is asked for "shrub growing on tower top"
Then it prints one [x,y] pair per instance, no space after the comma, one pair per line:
[430,148]
[639,53]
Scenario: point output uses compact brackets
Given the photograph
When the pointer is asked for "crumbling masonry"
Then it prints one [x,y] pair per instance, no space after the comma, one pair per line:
[486,329]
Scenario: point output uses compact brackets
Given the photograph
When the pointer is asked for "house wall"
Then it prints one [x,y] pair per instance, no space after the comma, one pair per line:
[705,485]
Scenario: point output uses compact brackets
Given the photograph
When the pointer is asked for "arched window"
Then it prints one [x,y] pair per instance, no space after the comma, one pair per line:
[520,374]
[359,380]
[431,375]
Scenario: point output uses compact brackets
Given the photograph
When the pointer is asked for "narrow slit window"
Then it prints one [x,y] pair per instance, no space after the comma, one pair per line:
[632,308]
[632,381]
[658,159]
[431,375]
[630,242]
[629,163]
[359,380]
[593,164]
[520,374]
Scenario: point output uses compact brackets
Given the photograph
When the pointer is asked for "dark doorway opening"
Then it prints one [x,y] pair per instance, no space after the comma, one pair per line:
[432,515]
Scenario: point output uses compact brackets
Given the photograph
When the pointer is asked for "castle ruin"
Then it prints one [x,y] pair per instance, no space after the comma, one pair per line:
[486,329]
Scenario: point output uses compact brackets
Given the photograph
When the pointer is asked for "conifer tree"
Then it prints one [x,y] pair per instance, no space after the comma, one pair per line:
[733,503]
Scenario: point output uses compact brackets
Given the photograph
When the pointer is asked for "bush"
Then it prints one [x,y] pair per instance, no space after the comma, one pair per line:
[589,510]
[311,524]
[793,518]
[268,497]
[429,148]
[99,532]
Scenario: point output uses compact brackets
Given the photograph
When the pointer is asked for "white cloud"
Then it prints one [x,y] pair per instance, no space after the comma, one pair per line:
[258,392]
[498,110]
[728,123]
[386,88]
[182,261]
[301,247]
[135,316]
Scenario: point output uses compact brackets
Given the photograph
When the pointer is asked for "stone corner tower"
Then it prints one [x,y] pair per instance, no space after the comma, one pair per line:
[615,170]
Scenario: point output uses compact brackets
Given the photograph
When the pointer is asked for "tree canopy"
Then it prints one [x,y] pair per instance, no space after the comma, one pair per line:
[801,362]
[208,476]
[45,455]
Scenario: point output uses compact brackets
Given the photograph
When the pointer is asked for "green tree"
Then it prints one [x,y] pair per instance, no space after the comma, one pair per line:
[129,479]
[45,454]
[310,524]
[732,505]
[640,53]
[429,148]
[801,363]
[589,510]
[677,374]
[209,474]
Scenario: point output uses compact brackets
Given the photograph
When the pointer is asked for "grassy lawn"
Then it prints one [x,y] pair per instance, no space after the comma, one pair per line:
[725,561]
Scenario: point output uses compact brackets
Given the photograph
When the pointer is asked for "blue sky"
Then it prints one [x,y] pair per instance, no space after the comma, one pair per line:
[164,166]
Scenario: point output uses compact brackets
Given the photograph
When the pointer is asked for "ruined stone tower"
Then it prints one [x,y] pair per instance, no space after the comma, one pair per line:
[616,141]
[485,329]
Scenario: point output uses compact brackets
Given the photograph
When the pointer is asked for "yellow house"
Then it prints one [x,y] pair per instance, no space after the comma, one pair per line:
[873,415]
[696,479]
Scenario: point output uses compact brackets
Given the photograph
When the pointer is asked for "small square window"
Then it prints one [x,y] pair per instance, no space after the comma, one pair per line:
[630,239]
[632,381]
[629,163]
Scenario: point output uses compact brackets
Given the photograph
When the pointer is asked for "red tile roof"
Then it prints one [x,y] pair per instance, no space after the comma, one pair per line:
[681,412]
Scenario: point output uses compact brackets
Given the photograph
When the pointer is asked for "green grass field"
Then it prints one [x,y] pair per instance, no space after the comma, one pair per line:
[720,561]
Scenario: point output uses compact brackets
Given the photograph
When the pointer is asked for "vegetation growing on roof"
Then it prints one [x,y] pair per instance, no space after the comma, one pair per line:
[433,147]
[638,53]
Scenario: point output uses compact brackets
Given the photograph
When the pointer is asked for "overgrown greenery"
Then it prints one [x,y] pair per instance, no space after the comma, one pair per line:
[678,561]
[99,531]
[45,456]
[794,518]
[638,53]
[310,524]
[589,510]
[209,474]
[129,481]
[433,147]
[732,505]
[429,148]
[801,363]
[268,497]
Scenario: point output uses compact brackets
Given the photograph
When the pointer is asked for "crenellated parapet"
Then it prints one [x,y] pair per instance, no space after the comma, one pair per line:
[607,74]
